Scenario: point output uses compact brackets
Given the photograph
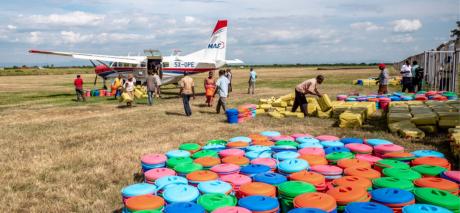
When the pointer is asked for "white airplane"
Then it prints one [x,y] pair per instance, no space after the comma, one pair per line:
[172,68]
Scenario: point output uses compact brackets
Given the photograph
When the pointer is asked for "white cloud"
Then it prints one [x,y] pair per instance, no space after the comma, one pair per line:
[76,18]
[11,27]
[189,19]
[35,38]
[406,38]
[367,26]
[121,22]
[71,37]
[406,25]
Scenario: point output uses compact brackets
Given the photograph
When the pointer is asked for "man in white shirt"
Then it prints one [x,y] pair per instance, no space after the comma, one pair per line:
[406,72]
[252,81]
[222,85]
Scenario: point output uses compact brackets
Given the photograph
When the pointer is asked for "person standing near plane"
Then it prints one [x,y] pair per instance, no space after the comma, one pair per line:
[406,72]
[222,84]
[307,87]
[129,88]
[228,74]
[157,78]
[210,87]
[187,90]
[252,81]
[151,87]
[383,80]
[117,85]
[78,83]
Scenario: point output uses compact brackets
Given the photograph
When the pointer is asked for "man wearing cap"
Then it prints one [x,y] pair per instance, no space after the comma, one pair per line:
[383,80]
[307,87]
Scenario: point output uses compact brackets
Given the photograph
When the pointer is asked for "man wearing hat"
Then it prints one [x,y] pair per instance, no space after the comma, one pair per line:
[383,80]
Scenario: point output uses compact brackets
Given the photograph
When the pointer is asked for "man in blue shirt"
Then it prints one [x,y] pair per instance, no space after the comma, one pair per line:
[222,89]
[252,81]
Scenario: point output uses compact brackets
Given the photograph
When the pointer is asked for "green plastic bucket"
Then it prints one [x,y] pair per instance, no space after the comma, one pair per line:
[213,201]
[400,173]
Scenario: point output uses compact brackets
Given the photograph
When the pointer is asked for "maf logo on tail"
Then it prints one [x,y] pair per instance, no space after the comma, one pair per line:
[219,45]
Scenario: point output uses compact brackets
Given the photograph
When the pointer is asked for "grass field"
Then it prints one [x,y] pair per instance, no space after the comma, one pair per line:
[59,155]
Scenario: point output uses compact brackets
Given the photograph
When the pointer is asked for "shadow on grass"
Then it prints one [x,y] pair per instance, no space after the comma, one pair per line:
[175,113]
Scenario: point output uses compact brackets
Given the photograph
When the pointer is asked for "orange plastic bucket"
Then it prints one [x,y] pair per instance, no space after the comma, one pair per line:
[207,161]
[347,163]
[202,175]
[353,181]
[438,183]
[144,202]
[347,194]
[315,200]
[398,155]
[256,188]
[433,161]
[237,160]
[318,180]
[263,143]
[362,172]
[314,160]
[237,144]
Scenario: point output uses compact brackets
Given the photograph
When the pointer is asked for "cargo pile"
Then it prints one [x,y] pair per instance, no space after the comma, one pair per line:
[454,135]
[241,114]
[414,119]
[98,93]
[394,81]
[139,92]
[399,96]
[350,114]
[270,172]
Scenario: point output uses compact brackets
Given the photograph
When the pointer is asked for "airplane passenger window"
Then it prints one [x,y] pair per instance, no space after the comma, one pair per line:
[165,64]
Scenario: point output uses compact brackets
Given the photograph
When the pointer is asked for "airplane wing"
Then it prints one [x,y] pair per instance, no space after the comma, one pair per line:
[122,59]
[234,62]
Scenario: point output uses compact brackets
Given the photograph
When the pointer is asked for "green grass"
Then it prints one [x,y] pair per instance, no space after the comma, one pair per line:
[47,71]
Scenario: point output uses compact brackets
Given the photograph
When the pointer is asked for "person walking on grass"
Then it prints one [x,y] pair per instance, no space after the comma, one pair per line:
[150,87]
[308,87]
[406,72]
[187,90]
[129,89]
[210,87]
[228,74]
[78,82]
[117,86]
[383,80]
[222,89]
[417,75]
[252,81]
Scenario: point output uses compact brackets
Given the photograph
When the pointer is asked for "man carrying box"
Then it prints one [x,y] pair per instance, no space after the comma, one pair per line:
[303,89]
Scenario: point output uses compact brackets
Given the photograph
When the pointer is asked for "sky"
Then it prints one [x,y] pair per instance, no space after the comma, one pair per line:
[259,31]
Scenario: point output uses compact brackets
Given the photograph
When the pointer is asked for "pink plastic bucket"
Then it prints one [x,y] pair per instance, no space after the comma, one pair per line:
[312,151]
[265,161]
[153,174]
[359,148]
[154,159]
[231,152]
[327,138]
[369,158]
[301,135]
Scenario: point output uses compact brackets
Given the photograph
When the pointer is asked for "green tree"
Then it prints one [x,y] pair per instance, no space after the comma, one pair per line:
[455,33]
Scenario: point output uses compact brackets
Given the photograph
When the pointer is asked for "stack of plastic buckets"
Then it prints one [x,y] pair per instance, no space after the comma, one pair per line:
[182,207]
[367,207]
[348,194]
[237,180]
[287,191]
[144,203]
[316,200]
[438,197]
[396,199]
[213,201]
[152,161]
[260,204]
[232,116]
[256,188]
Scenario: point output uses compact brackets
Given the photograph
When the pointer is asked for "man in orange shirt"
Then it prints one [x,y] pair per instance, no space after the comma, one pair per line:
[187,90]
[307,87]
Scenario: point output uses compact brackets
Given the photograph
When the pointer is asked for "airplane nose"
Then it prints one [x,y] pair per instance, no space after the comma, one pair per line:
[101,68]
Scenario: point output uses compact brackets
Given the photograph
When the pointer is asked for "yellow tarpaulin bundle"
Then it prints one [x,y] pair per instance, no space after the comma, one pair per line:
[448,123]
[125,97]
[350,120]
[411,132]
[396,126]
[287,97]
[399,109]
[265,107]
[324,103]
[263,101]
[275,114]
[289,114]
[430,129]
[395,117]
[369,106]
[312,109]
[280,109]
[397,103]
[260,111]
[339,109]
[326,114]
[280,104]
[424,119]
[449,115]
